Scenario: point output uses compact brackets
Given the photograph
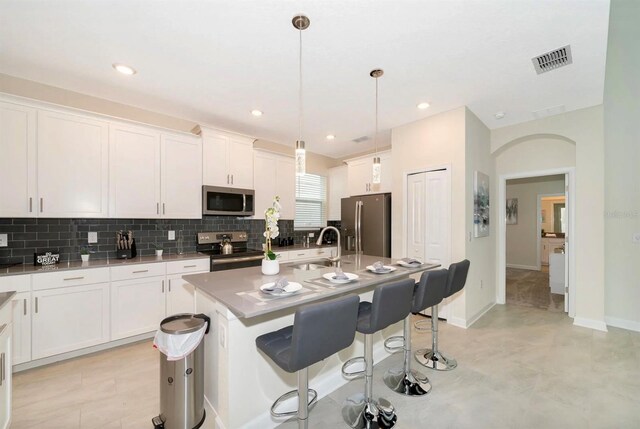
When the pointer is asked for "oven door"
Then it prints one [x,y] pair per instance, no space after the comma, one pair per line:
[238,262]
[227,201]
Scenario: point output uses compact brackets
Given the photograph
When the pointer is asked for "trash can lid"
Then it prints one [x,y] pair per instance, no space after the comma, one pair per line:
[181,324]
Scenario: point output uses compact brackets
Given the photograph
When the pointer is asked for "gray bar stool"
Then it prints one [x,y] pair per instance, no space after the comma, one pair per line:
[432,358]
[318,331]
[391,303]
[429,291]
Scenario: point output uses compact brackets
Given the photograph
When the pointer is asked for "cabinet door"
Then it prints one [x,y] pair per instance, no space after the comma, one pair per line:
[73,166]
[21,304]
[359,174]
[181,177]
[134,167]
[337,191]
[286,186]
[180,296]
[5,371]
[241,163]
[137,306]
[17,161]
[215,160]
[265,189]
[386,175]
[68,319]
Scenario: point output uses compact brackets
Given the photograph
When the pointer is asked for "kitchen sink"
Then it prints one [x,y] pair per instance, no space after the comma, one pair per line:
[313,265]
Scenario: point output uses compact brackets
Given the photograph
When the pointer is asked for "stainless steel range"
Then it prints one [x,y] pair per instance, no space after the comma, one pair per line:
[228,250]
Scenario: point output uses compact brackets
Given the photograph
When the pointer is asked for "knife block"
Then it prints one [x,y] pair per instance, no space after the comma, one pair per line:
[127,253]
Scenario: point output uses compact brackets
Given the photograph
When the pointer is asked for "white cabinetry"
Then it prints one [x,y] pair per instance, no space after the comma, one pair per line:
[276,176]
[154,175]
[69,318]
[137,306]
[17,160]
[338,189]
[360,172]
[548,246]
[5,366]
[180,293]
[21,311]
[227,159]
[73,165]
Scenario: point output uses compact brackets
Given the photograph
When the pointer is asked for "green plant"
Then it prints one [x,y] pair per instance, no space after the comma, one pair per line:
[84,250]
[157,246]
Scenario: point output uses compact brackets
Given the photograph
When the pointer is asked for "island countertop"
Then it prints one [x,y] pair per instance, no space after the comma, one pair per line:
[239,290]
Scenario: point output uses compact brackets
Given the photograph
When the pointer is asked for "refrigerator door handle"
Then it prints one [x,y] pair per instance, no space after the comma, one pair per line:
[356,226]
[359,233]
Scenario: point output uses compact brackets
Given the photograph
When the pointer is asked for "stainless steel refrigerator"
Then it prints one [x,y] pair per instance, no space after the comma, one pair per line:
[366,224]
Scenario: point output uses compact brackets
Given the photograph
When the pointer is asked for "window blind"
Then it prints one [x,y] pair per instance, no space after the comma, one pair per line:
[311,202]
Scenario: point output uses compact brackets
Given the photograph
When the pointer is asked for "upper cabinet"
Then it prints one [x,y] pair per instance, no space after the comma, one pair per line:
[338,189]
[17,160]
[154,174]
[360,172]
[72,166]
[227,159]
[277,175]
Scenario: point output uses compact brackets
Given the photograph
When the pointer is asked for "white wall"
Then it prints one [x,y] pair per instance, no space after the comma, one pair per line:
[523,147]
[522,238]
[622,165]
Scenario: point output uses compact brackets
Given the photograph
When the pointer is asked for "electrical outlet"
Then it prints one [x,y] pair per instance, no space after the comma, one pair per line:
[635,238]
[92,237]
[222,334]
[4,240]
[172,235]
[312,234]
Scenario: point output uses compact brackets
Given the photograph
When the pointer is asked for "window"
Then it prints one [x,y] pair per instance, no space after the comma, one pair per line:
[311,202]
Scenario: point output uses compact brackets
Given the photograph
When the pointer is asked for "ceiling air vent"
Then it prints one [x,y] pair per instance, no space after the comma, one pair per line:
[552,60]
[360,139]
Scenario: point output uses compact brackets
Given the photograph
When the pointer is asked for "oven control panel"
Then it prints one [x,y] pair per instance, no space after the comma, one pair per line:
[219,237]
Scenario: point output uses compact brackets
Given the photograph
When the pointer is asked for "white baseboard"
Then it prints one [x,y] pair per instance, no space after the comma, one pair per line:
[457,321]
[630,325]
[480,313]
[598,325]
[524,267]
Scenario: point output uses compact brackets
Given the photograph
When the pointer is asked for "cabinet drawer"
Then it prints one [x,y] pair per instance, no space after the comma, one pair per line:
[188,266]
[295,255]
[136,271]
[70,278]
[282,256]
[17,283]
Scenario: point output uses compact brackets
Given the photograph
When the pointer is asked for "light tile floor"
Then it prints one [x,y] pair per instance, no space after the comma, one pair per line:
[518,367]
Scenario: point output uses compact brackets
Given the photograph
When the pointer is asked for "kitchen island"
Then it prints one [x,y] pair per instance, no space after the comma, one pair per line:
[241,383]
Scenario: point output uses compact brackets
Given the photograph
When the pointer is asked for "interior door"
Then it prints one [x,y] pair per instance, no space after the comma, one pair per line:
[416,222]
[566,241]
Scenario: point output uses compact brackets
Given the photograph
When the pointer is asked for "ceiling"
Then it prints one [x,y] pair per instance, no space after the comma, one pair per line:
[214,61]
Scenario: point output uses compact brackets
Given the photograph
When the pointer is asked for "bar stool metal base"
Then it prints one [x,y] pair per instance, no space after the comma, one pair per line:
[437,360]
[408,383]
[361,414]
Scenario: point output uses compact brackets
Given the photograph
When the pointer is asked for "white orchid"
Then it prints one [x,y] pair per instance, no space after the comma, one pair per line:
[271,216]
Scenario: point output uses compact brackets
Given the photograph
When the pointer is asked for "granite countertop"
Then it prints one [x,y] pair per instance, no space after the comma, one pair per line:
[5,297]
[97,263]
[239,290]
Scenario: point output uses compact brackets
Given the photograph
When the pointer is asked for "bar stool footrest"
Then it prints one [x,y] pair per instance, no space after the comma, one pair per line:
[289,395]
[422,325]
[353,374]
[389,344]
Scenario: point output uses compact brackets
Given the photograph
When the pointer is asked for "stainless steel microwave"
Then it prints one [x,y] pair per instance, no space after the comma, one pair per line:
[217,200]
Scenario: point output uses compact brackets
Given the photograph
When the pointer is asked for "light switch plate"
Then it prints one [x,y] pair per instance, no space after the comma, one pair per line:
[4,240]
[92,237]
[312,234]
[172,235]
[636,238]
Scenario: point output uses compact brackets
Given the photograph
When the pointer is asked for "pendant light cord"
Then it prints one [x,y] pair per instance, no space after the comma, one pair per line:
[375,137]
[300,91]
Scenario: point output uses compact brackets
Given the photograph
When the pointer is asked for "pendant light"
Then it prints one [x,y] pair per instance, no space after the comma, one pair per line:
[300,22]
[377,168]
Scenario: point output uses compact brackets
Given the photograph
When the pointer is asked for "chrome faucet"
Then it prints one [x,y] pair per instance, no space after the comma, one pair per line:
[334,259]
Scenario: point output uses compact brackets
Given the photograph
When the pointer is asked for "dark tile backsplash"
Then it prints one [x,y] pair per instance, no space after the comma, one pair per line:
[27,235]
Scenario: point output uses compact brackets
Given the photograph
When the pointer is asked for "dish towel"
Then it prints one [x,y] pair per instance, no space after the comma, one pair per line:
[339,274]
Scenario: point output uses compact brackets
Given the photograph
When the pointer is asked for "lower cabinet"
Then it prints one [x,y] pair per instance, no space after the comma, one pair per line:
[21,306]
[69,318]
[137,306]
[5,372]
[180,295]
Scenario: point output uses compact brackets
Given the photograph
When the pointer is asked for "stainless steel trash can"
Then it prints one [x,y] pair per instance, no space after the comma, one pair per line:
[182,381]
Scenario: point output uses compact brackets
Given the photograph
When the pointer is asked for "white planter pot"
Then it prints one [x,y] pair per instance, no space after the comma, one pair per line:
[269,267]
[85,258]
[159,252]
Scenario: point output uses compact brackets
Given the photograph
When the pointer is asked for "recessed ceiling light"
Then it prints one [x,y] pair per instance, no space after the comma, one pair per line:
[423,105]
[256,112]
[499,115]
[331,137]
[124,69]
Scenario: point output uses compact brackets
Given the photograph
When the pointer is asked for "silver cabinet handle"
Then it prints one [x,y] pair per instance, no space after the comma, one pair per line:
[169,285]
[24,307]
[73,278]
[140,271]
[190,266]
[227,179]
[157,208]
[30,205]
[232,179]
[163,208]
[36,304]
[1,368]
[41,204]
[162,286]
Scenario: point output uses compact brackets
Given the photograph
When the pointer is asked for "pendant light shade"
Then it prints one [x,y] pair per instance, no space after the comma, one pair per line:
[300,22]
[376,172]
